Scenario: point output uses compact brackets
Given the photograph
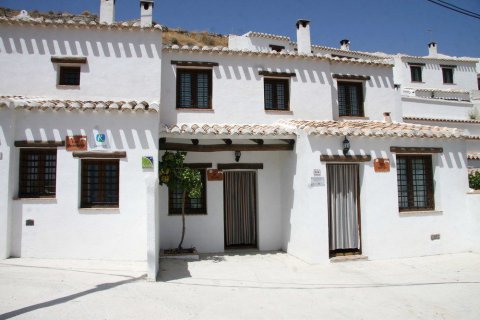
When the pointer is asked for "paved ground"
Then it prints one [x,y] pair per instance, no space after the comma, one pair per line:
[261,286]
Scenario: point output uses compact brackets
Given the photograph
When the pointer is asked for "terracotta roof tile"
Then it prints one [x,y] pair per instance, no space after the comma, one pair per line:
[41,103]
[442,120]
[473,156]
[228,129]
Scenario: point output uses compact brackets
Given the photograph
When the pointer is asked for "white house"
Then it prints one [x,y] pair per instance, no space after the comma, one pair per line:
[301,148]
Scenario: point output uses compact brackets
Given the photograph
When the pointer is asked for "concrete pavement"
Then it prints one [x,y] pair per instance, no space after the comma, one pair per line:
[246,286]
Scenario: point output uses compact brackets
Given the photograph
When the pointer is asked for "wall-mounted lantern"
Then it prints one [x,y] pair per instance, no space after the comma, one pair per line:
[238,154]
[346,145]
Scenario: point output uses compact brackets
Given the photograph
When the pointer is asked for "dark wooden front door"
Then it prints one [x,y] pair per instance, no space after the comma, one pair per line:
[240,209]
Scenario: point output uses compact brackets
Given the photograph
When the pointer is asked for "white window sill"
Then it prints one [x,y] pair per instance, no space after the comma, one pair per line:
[420,213]
[97,210]
[34,199]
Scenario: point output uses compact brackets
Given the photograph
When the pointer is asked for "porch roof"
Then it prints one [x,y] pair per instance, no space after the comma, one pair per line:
[278,130]
[473,156]
[43,103]
[370,128]
[441,120]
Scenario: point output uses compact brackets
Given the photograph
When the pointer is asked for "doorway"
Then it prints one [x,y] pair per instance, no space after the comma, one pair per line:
[343,190]
[240,209]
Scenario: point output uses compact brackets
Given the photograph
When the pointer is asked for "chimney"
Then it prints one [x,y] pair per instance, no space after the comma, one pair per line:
[345,44]
[107,11]
[146,13]
[387,117]
[303,37]
[432,49]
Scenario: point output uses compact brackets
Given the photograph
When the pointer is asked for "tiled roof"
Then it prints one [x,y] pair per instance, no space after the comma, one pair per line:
[253,34]
[228,129]
[351,52]
[71,22]
[374,129]
[39,103]
[439,90]
[439,57]
[442,120]
[473,156]
[287,54]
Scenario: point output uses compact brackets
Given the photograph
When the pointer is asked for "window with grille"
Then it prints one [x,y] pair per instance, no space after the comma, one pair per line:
[194,88]
[276,93]
[192,205]
[416,73]
[447,75]
[350,99]
[38,173]
[415,183]
[100,183]
[69,76]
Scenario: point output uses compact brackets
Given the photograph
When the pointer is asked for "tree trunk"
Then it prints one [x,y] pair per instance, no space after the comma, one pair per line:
[183,220]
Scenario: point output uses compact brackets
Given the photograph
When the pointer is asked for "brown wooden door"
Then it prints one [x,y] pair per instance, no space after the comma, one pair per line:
[240,208]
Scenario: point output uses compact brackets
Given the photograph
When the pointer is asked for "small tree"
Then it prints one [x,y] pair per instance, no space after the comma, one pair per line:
[474,180]
[177,176]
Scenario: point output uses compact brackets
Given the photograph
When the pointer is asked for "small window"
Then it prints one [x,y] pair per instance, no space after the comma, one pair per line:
[100,181]
[194,88]
[447,75]
[276,92]
[276,48]
[415,183]
[38,173]
[192,205]
[69,76]
[350,99]
[416,73]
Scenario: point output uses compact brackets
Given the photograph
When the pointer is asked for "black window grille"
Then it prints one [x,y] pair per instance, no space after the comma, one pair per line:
[69,76]
[416,73]
[38,173]
[100,183]
[192,205]
[276,92]
[350,99]
[415,183]
[194,88]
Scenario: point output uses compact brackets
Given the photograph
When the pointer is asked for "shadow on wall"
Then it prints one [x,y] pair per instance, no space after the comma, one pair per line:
[288,192]
[80,42]
[173,269]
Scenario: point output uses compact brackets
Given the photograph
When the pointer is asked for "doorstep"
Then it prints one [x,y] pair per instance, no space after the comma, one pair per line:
[184,256]
[354,257]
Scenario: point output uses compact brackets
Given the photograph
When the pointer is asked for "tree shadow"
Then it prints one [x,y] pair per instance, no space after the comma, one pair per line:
[98,288]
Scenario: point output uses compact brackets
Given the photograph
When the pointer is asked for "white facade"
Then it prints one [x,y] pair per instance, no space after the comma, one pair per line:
[129,90]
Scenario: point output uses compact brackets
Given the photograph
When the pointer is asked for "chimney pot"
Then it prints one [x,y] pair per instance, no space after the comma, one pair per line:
[303,36]
[107,11]
[432,49]
[146,13]
[345,44]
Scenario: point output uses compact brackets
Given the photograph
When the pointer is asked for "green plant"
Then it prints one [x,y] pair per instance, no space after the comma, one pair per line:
[474,180]
[174,174]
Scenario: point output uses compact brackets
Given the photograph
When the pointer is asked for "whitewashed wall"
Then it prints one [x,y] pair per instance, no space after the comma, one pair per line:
[255,43]
[120,64]
[206,232]
[386,233]
[473,205]
[435,108]
[62,229]
[238,90]
[464,75]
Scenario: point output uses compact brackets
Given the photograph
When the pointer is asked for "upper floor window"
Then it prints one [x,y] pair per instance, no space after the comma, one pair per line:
[194,88]
[447,74]
[100,183]
[38,173]
[350,99]
[192,205]
[276,94]
[416,73]
[415,182]
[69,76]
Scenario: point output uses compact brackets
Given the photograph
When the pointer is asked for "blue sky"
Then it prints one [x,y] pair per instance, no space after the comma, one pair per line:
[391,26]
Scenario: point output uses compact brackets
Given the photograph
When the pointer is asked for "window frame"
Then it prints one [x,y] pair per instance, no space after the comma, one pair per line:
[410,185]
[412,73]
[190,211]
[84,203]
[61,81]
[274,81]
[359,86]
[41,181]
[445,75]
[193,87]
